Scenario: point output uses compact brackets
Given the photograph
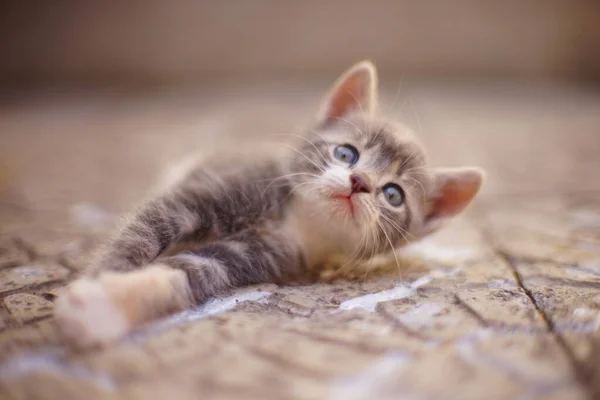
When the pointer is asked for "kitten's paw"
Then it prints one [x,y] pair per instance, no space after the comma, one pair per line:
[86,315]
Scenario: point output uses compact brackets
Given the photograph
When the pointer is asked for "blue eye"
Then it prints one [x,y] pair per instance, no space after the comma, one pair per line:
[393,194]
[346,153]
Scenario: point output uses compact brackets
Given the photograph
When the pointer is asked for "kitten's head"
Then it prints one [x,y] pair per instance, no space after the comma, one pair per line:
[369,176]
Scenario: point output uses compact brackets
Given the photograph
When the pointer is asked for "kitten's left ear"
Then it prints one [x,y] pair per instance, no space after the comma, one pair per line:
[453,191]
[354,91]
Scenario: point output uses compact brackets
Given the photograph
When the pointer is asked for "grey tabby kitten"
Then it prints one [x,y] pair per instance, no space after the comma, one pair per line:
[356,186]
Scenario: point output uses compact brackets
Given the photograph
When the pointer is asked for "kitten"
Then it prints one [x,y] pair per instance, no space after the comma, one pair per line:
[354,187]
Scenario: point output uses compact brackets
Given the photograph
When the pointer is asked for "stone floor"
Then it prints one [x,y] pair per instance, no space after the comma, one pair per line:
[502,304]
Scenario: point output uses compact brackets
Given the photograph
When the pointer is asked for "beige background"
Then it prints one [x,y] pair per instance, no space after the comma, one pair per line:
[182,40]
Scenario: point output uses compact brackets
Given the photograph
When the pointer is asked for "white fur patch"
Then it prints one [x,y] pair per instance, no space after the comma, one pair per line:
[86,314]
[337,177]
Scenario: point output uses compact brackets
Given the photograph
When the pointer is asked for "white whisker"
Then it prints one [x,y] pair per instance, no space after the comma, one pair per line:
[322,159]
[412,104]
[397,94]
[319,167]
[391,244]
[418,183]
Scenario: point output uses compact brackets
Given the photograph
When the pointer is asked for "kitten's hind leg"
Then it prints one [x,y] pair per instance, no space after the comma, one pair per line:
[102,309]
[250,257]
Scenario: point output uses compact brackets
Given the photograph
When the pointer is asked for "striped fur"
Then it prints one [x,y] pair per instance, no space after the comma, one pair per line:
[237,222]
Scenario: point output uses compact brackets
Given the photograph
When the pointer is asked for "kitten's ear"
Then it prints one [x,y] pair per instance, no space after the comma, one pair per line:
[453,191]
[355,90]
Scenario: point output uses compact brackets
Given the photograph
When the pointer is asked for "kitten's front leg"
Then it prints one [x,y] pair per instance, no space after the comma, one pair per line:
[159,224]
[103,304]
[102,309]
[117,303]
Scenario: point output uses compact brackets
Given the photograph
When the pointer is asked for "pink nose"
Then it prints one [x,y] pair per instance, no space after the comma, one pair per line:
[358,184]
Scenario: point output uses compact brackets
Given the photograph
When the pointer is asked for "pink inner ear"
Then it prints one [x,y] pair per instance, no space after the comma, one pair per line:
[350,96]
[454,194]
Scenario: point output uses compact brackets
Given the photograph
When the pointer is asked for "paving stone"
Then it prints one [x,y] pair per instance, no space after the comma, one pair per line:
[514,365]
[21,341]
[541,232]
[366,332]
[584,347]
[25,307]
[569,308]
[568,295]
[31,274]
[507,308]
[52,385]
[435,316]
[123,364]
[574,274]
[301,353]
[481,365]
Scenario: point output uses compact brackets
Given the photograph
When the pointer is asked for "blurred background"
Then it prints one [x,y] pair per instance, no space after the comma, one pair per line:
[186,41]
[91,91]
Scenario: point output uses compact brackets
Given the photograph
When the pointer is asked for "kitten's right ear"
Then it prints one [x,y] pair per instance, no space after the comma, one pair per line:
[354,91]
[453,190]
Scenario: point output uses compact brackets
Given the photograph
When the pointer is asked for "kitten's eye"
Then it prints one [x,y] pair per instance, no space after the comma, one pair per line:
[346,153]
[393,194]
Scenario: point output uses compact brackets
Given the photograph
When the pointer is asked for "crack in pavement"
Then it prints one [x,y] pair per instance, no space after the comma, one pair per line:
[470,310]
[43,286]
[357,346]
[580,373]
[387,316]
[535,386]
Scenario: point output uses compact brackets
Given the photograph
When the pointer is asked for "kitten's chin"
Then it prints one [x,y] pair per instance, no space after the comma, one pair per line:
[347,208]
[345,204]
[337,205]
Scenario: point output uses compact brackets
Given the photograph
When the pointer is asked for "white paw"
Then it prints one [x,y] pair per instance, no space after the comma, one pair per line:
[87,316]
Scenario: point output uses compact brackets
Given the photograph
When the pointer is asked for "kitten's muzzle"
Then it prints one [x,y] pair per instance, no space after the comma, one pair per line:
[359,184]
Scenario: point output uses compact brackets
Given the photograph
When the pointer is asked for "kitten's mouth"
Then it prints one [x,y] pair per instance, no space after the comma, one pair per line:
[347,199]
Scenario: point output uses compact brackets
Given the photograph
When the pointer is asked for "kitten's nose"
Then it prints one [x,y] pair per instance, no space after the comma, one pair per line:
[358,184]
